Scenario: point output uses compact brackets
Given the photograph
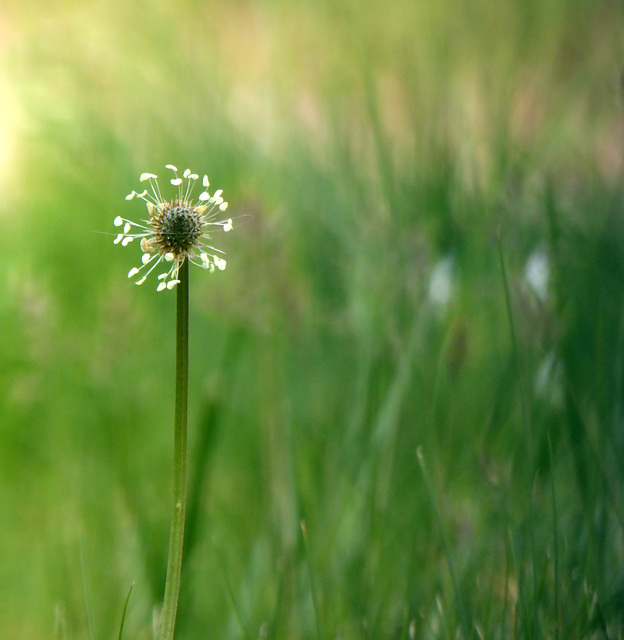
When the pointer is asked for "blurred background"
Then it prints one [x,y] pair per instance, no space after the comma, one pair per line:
[407,388]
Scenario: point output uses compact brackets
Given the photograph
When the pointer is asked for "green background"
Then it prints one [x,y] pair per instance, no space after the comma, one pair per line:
[399,173]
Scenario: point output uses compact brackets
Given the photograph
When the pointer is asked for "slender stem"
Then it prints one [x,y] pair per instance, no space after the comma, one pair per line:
[180,462]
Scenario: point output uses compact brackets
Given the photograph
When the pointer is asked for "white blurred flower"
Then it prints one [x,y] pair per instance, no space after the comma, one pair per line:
[537,274]
[441,282]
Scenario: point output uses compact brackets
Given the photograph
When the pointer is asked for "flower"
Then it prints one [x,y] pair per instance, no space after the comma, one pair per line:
[176,230]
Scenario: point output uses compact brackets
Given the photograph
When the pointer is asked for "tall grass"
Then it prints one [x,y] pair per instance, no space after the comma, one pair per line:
[364,146]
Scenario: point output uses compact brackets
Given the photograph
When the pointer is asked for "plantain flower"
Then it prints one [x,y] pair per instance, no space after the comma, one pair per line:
[176,229]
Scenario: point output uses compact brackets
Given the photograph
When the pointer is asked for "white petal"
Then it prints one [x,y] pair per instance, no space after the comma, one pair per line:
[118,221]
[132,272]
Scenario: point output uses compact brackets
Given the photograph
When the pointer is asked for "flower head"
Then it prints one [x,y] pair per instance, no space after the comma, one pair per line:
[176,229]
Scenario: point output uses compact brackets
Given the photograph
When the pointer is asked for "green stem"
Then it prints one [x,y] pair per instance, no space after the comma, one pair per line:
[180,462]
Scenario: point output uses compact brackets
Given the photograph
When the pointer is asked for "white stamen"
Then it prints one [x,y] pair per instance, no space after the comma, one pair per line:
[141,281]
[187,173]
[161,286]
[146,257]
[126,241]
[132,272]
[118,239]
[217,193]
[162,276]
[206,182]
[169,257]
[170,166]
[204,196]
[176,182]
[118,221]
[223,206]
[193,176]
[172,283]
[146,176]
[228,226]
[131,195]
[127,227]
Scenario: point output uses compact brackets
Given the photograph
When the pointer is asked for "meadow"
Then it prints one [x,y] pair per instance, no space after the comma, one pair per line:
[406,402]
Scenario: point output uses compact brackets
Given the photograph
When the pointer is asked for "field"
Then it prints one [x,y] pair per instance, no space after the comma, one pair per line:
[406,389]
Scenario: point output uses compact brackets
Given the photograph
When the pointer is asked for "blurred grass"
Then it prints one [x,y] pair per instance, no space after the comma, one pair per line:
[362,145]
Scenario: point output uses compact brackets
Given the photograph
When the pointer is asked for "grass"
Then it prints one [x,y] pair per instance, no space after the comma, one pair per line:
[361,145]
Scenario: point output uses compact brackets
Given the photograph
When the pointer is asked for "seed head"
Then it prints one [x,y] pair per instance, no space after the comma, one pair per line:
[176,229]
